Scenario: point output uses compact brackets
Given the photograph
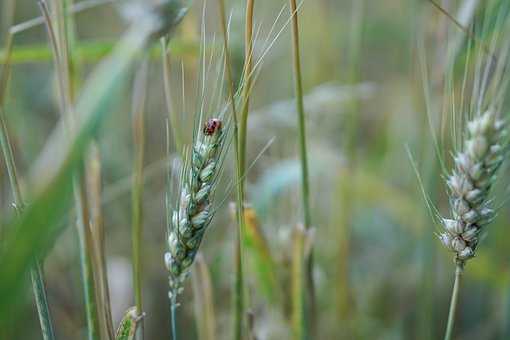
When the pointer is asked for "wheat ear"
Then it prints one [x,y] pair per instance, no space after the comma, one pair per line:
[193,213]
[476,167]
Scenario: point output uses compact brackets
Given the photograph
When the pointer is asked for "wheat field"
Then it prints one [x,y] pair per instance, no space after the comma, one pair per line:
[250,169]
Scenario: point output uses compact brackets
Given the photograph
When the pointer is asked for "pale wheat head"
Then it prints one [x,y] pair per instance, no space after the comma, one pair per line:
[194,211]
[476,168]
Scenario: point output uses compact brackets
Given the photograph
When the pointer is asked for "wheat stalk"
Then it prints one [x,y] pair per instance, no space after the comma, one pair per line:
[193,212]
[483,143]
[476,168]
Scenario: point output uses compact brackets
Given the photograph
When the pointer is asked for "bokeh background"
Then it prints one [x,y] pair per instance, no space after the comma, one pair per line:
[380,271]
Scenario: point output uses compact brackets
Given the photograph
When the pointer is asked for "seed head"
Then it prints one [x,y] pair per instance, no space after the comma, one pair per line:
[193,212]
[469,184]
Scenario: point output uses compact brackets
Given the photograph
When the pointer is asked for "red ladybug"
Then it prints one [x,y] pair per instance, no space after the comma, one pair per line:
[211,126]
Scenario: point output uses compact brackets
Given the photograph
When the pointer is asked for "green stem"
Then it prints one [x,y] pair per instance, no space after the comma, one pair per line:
[6,18]
[239,290]
[5,75]
[241,170]
[247,72]
[173,315]
[299,328]
[41,301]
[36,272]
[298,86]
[347,193]
[98,233]
[453,304]
[59,40]
[137,193]
[240,193]
[9,163]
[86,262]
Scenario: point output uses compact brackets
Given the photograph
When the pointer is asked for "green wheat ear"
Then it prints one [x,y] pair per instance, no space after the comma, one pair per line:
[193,212]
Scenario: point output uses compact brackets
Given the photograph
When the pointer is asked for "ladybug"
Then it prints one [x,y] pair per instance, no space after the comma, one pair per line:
[211,126]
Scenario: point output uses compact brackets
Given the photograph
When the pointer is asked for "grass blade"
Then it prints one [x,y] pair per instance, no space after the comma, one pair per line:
[35,230]
[94,188]
[139,97]
[36,272]
[241,164]
[303,155]
[298,284]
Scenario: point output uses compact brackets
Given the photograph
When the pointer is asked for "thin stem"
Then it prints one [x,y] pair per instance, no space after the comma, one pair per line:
[36,272]
[241,170]
[98,233]
[9,163]
[6,18]
[298,86]
[58,37]
[298,319]
[239,289]
[347,191]
[41,301]
[86,260]
[173,316]
[240,192]
[137,193]
[4,76]
[248,65]
[453,303]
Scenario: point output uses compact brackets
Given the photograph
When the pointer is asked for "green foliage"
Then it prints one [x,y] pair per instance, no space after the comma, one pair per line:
[90,51]
[34,232]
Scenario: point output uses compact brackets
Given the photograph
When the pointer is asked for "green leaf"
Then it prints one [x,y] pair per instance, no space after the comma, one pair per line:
[36,229]
[90,51]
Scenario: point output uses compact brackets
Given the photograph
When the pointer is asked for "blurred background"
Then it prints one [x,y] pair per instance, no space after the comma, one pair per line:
[380,271]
